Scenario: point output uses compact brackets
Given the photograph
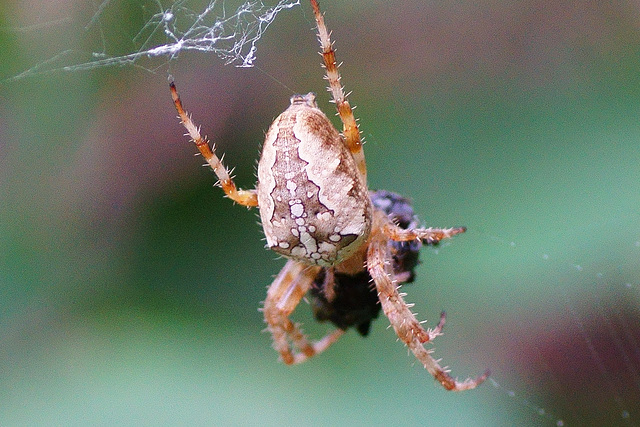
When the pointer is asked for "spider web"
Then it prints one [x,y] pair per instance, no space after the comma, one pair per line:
[168,30]
[602,347]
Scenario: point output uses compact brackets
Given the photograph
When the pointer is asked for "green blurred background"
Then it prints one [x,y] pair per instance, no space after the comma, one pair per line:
[129,288]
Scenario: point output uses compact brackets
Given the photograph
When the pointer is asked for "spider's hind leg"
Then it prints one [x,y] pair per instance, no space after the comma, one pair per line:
[350,130]
[283,296]
[247,198]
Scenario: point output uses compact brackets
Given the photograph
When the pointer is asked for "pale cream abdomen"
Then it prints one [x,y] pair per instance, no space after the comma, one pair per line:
[313,204]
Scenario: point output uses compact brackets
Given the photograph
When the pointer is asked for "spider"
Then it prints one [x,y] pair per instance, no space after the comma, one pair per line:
[348,247]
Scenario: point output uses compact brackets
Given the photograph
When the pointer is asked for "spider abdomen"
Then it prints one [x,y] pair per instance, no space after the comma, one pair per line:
[314,206]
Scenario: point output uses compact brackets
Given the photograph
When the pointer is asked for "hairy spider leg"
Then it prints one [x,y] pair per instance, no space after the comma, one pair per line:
[350,130]
[283,296]
[247,198]
[405,324]
[428,235]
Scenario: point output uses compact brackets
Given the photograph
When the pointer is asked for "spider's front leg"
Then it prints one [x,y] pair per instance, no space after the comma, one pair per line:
[247,198]
[405,324]
[283,296]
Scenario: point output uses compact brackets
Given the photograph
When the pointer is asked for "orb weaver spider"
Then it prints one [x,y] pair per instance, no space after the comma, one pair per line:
[338,236]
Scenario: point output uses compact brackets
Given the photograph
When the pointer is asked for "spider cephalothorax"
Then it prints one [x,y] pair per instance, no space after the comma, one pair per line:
[348,247]
[353,300]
